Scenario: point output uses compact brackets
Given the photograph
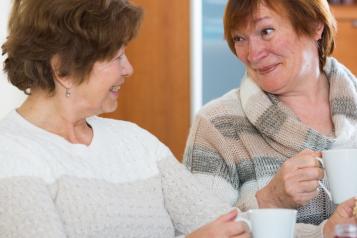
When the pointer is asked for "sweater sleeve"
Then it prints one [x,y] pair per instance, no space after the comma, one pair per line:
[211,160]
[189,205]
[27,210]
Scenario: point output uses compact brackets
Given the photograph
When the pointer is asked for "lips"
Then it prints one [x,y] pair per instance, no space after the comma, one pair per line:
[115,88]
[267,69]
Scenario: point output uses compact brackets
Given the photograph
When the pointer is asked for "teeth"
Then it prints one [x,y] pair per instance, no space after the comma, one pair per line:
[115,88]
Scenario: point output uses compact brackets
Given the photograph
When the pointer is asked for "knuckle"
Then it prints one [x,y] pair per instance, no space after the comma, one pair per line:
[211,233]
[297,199]
[242,227]
[314,173]
[288,164]
[315,184]
[321,174]
[289,189]
[228,231]
[285,178]
[300,201]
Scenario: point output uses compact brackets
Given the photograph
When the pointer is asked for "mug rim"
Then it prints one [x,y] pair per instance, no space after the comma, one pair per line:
[266,210]
[337,150]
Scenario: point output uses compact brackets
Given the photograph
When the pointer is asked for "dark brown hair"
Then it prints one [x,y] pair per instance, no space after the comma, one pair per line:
[304,15]
[80,32]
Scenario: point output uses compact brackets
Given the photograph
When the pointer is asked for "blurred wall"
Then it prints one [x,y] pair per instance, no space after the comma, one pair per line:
[10,97]
[222,71]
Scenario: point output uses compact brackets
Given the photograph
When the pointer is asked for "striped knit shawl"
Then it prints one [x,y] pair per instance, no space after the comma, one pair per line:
[284,131]
[245,136]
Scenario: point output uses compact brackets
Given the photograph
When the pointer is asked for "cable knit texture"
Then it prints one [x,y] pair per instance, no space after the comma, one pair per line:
[238,142]
[126,183]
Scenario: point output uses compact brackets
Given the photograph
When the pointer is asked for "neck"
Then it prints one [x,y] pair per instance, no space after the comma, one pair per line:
[56,115]
[311,105]
[311,92]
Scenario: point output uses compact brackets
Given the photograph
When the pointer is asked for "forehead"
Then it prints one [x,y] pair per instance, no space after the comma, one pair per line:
[262,13]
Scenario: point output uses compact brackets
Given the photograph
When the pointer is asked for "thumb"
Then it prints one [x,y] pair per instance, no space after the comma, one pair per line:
[310,152]
[230,216]
[305,151]
[347,207]
[317,154]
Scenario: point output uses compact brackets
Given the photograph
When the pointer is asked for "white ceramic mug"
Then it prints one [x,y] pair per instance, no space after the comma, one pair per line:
[341,171]
[270,222]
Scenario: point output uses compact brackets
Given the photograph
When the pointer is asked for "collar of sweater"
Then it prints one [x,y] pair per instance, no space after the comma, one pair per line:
[284,131]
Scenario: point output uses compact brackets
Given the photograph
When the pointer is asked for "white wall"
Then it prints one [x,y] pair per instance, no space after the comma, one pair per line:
[196,57]
[10,97]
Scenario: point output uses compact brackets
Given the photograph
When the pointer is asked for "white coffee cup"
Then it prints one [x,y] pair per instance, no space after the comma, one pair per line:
[341,171]
[270,222]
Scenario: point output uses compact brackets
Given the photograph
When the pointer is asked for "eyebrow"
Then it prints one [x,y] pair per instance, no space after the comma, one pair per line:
[255,21]
[260,19]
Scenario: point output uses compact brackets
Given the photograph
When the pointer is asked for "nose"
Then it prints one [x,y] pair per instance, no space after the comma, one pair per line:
[256,51]
[127,69]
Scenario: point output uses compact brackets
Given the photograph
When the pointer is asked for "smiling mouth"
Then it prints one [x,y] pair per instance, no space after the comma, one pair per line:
[115,88]
[267,69]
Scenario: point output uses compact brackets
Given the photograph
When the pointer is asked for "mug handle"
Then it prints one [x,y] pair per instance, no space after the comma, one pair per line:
[243,217]
[320,183]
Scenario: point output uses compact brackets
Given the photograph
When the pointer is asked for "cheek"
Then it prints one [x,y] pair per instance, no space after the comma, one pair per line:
[241,54]
[285,46]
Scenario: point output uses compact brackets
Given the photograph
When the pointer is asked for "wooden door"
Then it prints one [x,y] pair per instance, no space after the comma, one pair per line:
[157,96]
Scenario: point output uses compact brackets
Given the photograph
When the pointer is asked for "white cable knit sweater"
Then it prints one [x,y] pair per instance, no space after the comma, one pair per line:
[126,183]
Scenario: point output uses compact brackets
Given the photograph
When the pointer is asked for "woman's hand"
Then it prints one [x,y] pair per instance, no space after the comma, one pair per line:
[223,227]
[342,215]
[295,183]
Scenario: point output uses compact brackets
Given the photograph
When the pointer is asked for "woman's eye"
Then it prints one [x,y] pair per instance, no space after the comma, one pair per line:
[267,32]
[237,39]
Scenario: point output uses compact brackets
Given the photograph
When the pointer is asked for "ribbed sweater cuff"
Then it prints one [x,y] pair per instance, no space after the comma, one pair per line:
[308,230]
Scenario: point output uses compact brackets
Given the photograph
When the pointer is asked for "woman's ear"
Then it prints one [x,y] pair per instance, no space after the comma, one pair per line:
[56,72]
[319,30]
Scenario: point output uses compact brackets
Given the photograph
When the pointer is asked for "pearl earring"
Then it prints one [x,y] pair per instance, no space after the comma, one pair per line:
[28,91]
[68,92]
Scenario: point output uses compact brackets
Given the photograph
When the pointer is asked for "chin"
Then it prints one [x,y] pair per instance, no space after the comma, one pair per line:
[110,109]
[271,84]
[276,89]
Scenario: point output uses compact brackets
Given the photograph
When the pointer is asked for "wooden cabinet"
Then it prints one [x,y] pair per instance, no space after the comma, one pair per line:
[346,38]
[157,96]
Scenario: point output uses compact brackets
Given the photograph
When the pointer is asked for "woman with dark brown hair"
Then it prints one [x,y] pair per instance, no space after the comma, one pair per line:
[256,146]
[64,172]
